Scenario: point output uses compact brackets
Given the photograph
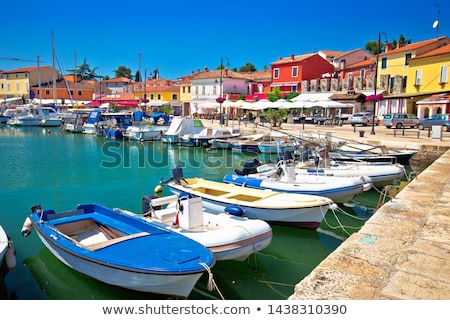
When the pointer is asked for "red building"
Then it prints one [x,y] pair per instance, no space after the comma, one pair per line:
[288,73]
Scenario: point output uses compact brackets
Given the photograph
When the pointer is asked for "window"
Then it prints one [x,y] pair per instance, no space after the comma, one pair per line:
[294,71]
[418,81]
[276,73]
[17,86]
[294,89]
[383,63]
[407,57]
[444,75]
[47,92]
[79,93]
[174,96]
[159,96]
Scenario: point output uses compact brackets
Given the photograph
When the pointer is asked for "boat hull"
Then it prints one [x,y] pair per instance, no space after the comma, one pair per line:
[381,173]
[228,237]
[303,211]
[339,190]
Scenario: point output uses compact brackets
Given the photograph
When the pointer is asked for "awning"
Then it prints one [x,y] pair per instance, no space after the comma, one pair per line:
[313,96]
[284,84]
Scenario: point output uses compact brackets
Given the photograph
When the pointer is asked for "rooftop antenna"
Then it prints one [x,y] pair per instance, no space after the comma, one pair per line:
[436,23]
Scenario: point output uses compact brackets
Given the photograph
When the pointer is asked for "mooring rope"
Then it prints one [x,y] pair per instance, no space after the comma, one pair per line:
[211,283]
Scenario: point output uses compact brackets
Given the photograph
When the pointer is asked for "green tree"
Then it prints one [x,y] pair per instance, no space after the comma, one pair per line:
[123,72]
[276,116]
[84,72]
[166,108]
[248,67]
[371,47]
[275,95]
[137,77]
[291,95]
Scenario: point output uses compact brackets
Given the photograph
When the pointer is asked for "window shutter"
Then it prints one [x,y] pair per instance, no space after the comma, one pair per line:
[418,78]
[444,74]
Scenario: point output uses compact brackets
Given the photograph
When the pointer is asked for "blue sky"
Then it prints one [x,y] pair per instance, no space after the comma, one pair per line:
[179,37]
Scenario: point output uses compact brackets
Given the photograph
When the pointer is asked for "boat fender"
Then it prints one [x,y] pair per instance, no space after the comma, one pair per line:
[234,210]
[158,189]
[185,195]
[10,257]
[27,226]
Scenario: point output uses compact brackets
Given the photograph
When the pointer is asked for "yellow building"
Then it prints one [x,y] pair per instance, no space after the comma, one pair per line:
[428,73]
[397,79]
[17,83]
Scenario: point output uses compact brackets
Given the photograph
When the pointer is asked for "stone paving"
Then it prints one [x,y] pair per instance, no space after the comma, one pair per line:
[402,251]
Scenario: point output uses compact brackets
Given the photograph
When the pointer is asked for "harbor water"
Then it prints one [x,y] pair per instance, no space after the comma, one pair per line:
[60,170]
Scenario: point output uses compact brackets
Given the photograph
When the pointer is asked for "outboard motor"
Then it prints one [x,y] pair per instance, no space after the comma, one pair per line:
[177,174]
[146,203]
[250,166]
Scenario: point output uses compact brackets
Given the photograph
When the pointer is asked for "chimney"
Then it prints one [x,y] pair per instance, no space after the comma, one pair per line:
[292,57]
[388,47]
[206,68]
[225,71]
[400,44]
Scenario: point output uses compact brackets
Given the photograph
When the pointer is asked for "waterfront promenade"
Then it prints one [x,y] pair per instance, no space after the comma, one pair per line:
[403,251]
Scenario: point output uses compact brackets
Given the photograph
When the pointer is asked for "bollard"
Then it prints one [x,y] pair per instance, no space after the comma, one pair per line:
[361,134]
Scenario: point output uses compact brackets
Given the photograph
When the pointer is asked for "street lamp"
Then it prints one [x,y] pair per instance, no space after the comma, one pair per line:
[375,101]
[220,99]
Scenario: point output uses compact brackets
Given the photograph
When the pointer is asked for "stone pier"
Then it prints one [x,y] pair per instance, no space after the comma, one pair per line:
[401,253]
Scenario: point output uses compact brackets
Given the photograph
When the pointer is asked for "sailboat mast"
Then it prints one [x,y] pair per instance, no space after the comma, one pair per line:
[53,71]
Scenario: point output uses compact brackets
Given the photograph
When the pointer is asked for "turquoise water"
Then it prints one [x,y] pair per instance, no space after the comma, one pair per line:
[60,170]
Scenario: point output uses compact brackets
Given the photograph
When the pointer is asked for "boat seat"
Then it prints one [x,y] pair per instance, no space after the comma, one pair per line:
[107,243]
[166,215]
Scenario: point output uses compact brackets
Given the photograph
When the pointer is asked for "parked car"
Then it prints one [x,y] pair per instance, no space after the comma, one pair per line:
[361,118]
[400,120]
[442,120]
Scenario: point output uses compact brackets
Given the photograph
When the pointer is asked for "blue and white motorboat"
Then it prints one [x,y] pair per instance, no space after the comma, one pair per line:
[281,208]
[283,177]
[147,128]
[121,250]
[90,126]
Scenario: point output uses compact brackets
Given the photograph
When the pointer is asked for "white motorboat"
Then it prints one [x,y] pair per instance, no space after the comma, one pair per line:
[381,173]
[144,132]
[7,250]
[179,127]
[35,115]
[227,236]
[283,177]
[297,210]
[204,137]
